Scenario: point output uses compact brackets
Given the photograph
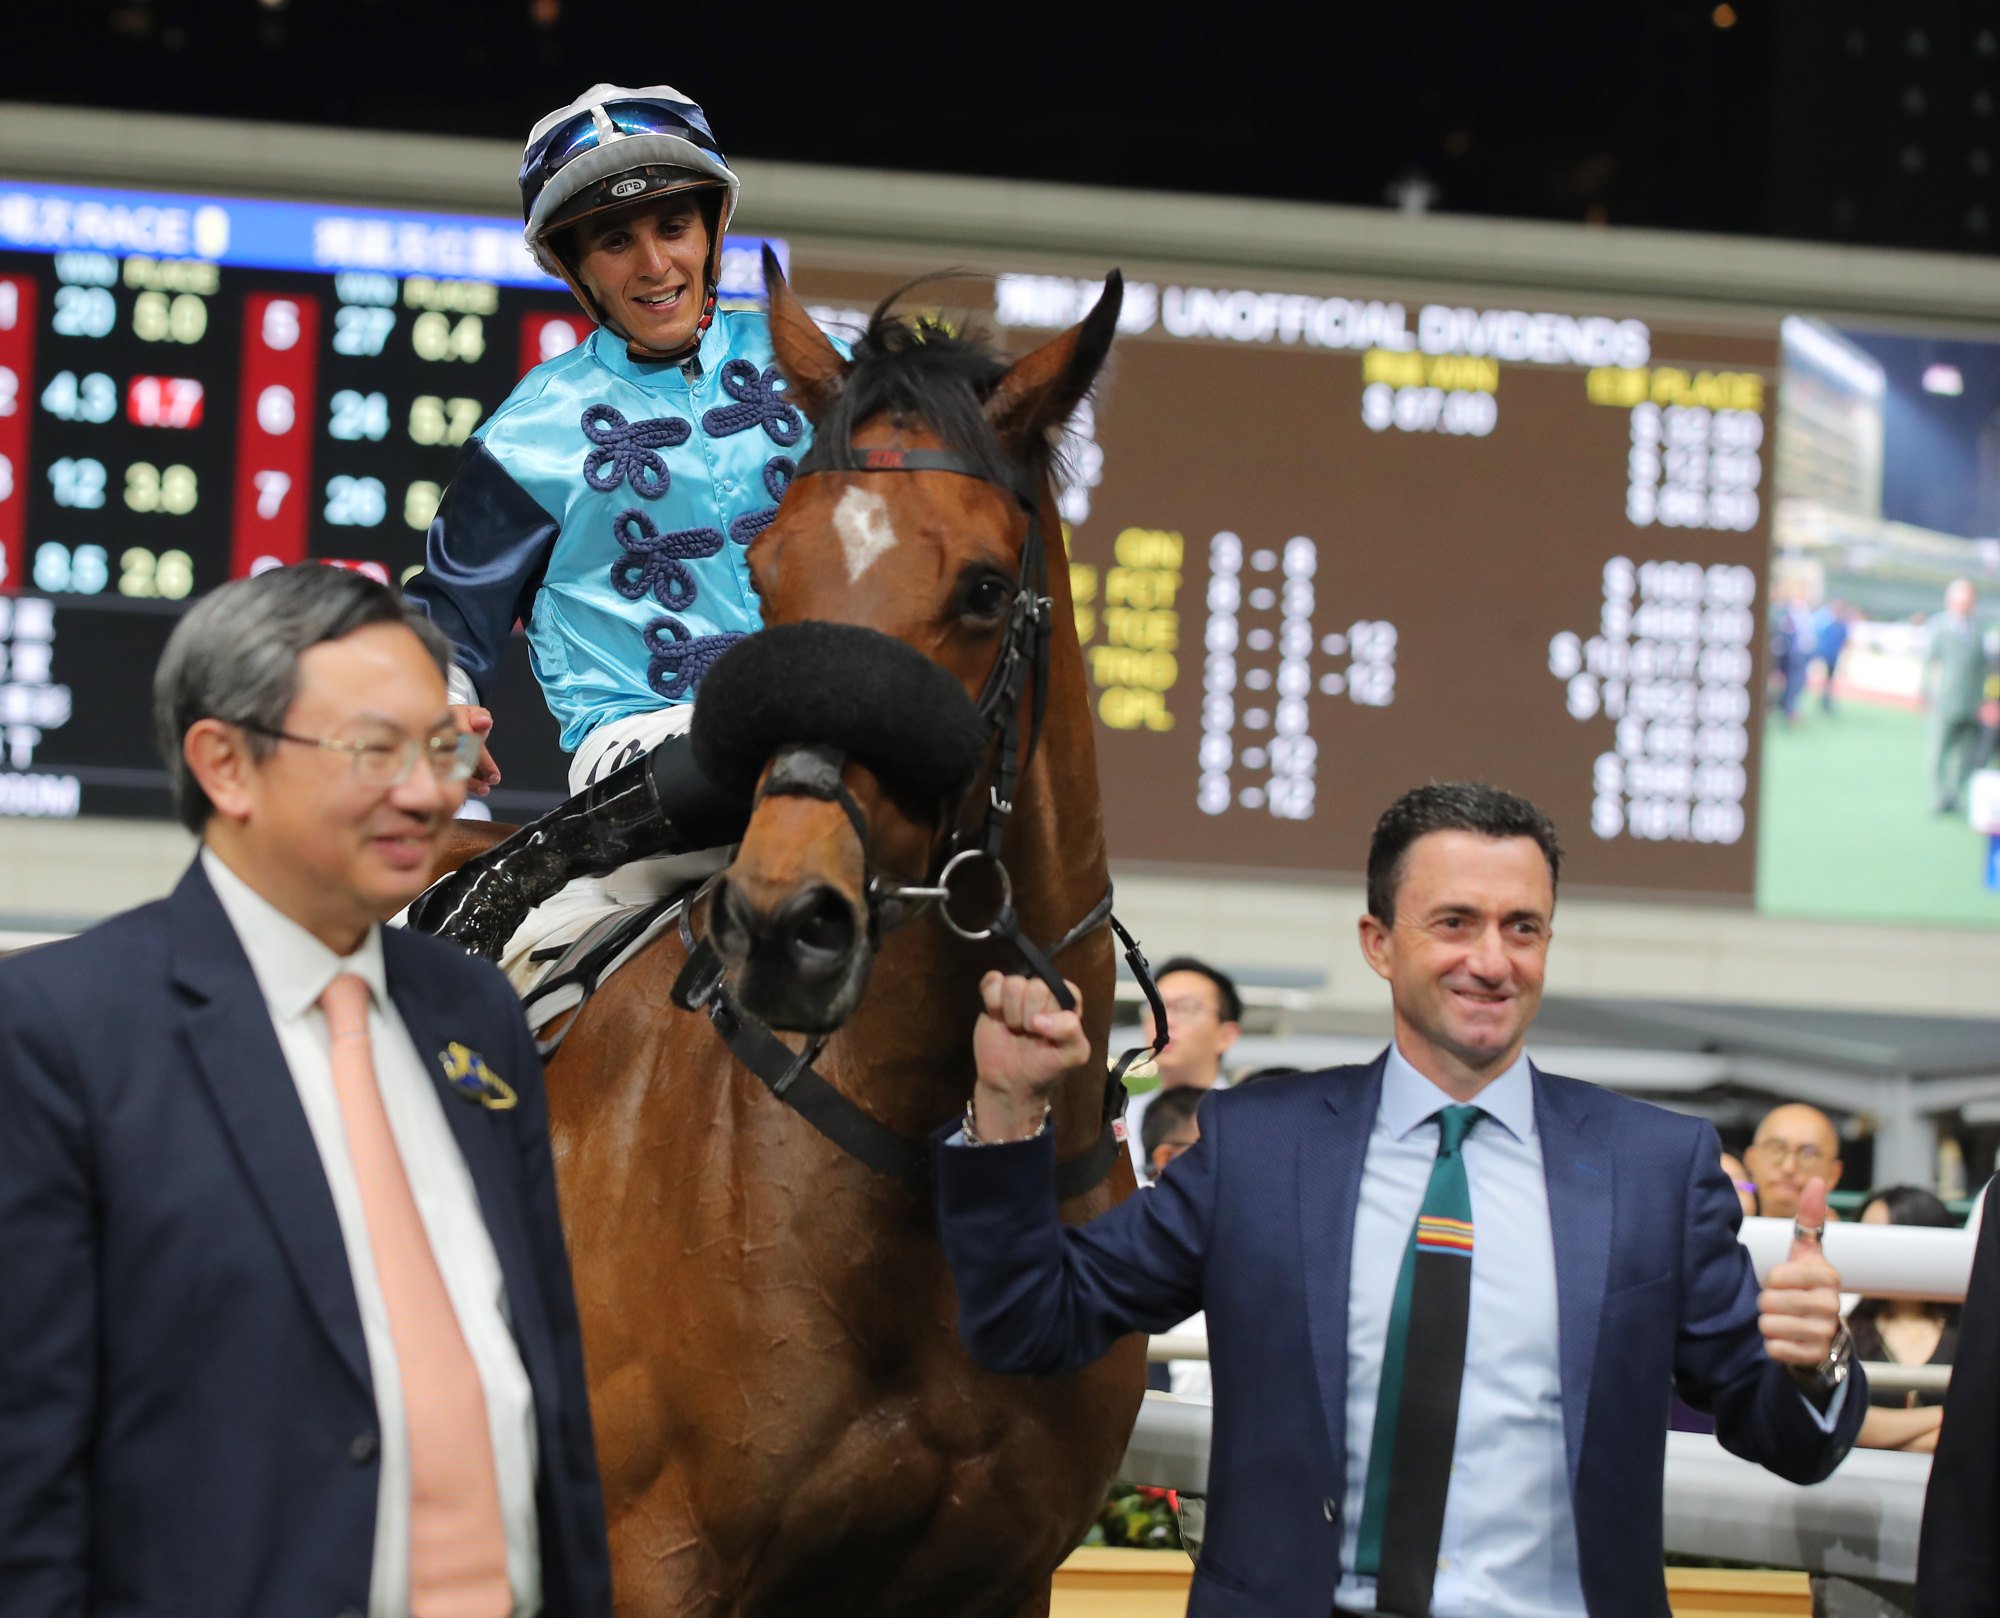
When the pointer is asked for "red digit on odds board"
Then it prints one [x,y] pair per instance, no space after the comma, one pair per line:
[543,337]
[17,370]
[274,432]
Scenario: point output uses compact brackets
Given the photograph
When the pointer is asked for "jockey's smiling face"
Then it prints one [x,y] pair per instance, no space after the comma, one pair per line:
[645,267]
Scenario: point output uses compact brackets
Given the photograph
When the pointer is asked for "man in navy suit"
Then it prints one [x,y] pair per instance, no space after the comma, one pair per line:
[1323,1224]
[286,1324]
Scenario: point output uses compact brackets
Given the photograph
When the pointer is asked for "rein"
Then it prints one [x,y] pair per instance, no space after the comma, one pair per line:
[814,771]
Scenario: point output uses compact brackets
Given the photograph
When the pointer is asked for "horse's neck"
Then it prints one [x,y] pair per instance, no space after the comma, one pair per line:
[915,1022]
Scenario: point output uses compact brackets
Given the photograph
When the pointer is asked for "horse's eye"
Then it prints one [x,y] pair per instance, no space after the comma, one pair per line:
[986,598]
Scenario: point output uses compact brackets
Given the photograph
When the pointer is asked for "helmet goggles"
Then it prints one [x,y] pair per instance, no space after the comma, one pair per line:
[558,147]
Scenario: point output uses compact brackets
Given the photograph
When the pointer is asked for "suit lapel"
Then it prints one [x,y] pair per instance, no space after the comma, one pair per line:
[1329,1162]
[486,1141]
[1578,1170]
[228,1033]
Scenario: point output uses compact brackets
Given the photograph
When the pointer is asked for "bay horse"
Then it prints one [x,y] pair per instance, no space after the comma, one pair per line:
[786,1421]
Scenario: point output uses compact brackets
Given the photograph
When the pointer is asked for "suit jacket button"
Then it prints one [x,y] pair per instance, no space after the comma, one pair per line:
[364,1448]
[1331,1507]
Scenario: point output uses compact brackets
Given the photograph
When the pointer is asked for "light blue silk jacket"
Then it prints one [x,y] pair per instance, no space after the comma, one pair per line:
[607,504]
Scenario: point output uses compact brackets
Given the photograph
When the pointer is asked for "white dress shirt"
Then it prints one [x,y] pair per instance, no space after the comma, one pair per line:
[293,969]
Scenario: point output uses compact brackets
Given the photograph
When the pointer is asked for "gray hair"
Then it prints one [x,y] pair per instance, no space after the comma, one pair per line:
[235,657]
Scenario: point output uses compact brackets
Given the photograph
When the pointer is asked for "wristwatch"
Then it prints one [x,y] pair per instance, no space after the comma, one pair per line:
[1823,1379]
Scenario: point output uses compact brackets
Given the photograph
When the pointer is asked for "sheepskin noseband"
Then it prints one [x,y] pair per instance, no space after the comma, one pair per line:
[867,694]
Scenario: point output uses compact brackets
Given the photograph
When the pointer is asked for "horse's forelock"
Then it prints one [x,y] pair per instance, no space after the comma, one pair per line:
[919,368]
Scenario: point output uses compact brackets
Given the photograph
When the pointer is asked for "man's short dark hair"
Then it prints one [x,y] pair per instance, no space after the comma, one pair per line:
[235,657]
[1229,1002]
[1170,1111]
[1449,806]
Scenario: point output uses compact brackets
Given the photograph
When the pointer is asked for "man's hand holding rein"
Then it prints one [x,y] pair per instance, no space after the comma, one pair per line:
[1025,1045]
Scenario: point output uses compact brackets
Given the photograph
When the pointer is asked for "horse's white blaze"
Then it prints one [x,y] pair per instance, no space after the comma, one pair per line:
[862,521]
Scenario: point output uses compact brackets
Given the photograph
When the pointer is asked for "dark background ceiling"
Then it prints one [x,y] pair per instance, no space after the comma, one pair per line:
[1822,119]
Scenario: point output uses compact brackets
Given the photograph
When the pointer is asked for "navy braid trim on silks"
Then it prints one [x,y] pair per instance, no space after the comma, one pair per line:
[760,402]
[777,479]
[625,450]
[657,563]
[679,660]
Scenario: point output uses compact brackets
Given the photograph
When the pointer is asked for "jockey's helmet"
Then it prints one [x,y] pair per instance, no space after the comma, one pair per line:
[612,147]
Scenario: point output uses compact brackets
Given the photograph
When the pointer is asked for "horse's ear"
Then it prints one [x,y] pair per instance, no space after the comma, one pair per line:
[811,365]
[1041,388]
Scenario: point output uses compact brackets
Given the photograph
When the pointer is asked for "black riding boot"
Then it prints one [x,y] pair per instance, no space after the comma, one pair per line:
[657,804]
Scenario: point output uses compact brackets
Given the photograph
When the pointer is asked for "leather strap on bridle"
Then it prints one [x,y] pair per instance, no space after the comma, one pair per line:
[791,1076]
[807,770]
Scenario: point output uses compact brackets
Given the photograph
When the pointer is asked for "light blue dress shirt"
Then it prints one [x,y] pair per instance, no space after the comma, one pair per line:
[1509,1544]
[1508,1549]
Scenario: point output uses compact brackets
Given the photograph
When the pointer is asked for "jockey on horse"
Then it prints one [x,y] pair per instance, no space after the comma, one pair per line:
[608,503]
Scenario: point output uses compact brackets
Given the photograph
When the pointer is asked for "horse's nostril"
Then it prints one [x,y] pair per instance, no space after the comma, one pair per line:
[820,924]
[733,924]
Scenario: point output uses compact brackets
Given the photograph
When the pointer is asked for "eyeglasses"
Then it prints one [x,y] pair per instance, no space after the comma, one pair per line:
[1779,1151]
[386,761]
[1181,1009]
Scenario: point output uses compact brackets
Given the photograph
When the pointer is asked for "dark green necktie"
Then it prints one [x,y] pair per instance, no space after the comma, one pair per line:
[1423,1366]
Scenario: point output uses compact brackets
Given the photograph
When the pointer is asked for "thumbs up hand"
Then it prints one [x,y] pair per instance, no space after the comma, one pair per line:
[1799,1308]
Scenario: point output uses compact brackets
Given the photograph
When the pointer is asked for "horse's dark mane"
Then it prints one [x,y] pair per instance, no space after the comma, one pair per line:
[920,368]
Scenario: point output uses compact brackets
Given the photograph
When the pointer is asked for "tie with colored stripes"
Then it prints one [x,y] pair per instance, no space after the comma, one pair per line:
[1423,1365]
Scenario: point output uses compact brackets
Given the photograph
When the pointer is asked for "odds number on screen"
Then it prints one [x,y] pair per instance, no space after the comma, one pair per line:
[78,482]
[436,336]
[143,574]
[171,490]
[442,421]
[158,317]
[92,397]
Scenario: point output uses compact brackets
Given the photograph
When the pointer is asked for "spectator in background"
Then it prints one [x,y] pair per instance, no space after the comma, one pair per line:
[1795,1143]
[1904,1332]
[1204,1018]
[1793,646]
[1739,1177]
[1832,625]
[1953,688]
[1170,1127]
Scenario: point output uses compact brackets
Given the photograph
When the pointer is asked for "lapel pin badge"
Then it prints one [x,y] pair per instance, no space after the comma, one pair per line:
[465,1070]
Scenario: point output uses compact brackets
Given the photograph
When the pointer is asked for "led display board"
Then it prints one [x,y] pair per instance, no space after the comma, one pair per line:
[1324,547]
[193,389]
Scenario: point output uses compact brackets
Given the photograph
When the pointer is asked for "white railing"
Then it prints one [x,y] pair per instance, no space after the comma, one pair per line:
[1884,1376]
[1860,1523]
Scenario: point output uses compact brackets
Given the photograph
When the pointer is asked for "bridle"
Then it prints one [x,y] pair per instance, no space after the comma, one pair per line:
[1016,688]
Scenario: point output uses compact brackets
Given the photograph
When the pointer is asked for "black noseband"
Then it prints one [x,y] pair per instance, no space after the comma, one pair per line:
[859,691]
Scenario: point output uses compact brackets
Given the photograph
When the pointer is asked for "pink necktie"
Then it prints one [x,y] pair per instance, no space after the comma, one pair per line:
[458,1546]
